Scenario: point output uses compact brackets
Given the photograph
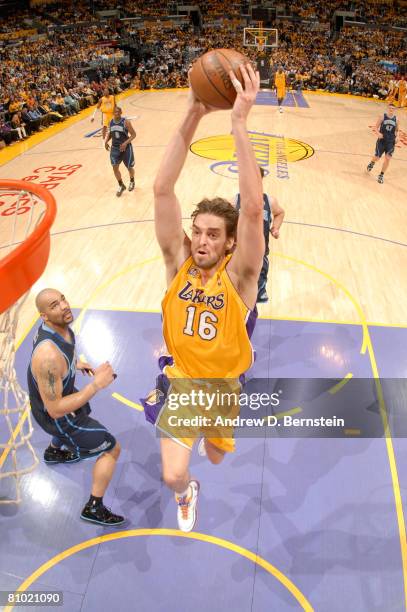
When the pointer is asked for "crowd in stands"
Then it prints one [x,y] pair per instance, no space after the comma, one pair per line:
[45,78]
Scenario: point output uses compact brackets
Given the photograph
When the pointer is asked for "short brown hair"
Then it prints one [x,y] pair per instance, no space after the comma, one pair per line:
[220,208]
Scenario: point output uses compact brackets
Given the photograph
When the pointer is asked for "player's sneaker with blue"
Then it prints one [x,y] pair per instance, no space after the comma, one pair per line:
[101,515]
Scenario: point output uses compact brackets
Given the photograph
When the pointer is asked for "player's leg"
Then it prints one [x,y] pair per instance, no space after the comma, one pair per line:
[379,150]
[386,162]
[175,464]
[215,455]
[115,158]
[103,470]
[92,440]
[128,160]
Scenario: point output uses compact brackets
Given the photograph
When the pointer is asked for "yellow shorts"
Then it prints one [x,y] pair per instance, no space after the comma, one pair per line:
[107,117]
[280,92]
[195,409]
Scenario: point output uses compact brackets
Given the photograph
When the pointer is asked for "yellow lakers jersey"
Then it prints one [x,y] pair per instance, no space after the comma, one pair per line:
[107,105]
[280,80]
[206,328]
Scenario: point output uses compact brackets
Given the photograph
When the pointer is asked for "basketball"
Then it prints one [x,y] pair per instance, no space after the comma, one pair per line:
[209,77]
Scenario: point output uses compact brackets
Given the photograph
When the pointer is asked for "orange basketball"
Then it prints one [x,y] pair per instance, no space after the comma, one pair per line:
[209,76]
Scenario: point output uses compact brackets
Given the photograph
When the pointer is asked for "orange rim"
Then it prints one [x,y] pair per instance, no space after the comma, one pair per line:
[21,268]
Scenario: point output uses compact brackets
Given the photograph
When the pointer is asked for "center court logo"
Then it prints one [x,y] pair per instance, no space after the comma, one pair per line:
[271,150]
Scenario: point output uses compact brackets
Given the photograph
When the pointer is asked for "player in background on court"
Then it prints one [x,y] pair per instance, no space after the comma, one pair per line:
[106,104]
[273,217]
[386,129]
[280,85]
[209,309]
[63,411]
[122,133]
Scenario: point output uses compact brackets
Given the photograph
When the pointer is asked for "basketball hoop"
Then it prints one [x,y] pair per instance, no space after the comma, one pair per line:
[27,212]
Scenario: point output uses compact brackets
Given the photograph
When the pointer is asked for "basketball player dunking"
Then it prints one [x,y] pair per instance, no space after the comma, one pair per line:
[209,306]
[386,129]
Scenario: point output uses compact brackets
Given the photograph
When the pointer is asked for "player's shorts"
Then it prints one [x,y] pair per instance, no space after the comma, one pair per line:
[126,156]
[79,432]
[280,93]
[384,146]
[107,117]
[180,409]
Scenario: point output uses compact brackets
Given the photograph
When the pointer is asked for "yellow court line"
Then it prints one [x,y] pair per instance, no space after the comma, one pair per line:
[342,288]
[341,384]
[202,537]
[78,323]
[128,402]
[117,309]
[368,346]
[281,415]
[13,436]
[265,317]
[11,152]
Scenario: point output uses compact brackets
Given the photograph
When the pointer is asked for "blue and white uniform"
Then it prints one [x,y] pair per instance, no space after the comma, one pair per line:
[120,134]
[387,144]
[76,430]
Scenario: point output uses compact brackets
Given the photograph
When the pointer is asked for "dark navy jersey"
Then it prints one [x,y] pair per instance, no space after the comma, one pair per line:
[46,334]
[388,127]
[267,217]
[118,131]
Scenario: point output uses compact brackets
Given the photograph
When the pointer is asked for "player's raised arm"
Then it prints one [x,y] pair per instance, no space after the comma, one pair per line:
[246,262]
[167,210]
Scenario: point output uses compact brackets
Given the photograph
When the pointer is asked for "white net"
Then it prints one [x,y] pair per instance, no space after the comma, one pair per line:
[20,213]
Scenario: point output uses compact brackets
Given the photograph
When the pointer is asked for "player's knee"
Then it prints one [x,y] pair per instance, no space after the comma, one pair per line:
[214,454]
[115,451]
[173,477]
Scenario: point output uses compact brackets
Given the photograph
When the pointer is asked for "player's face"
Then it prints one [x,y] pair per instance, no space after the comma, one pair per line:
[391,110]
[209,242]
[57,310]
[117,114]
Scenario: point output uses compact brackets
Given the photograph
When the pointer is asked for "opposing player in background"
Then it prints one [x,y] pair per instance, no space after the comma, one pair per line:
[209,309]
[63,411]
[122,133]
[106,105]
[280,85]
[386,129]
[273,217]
